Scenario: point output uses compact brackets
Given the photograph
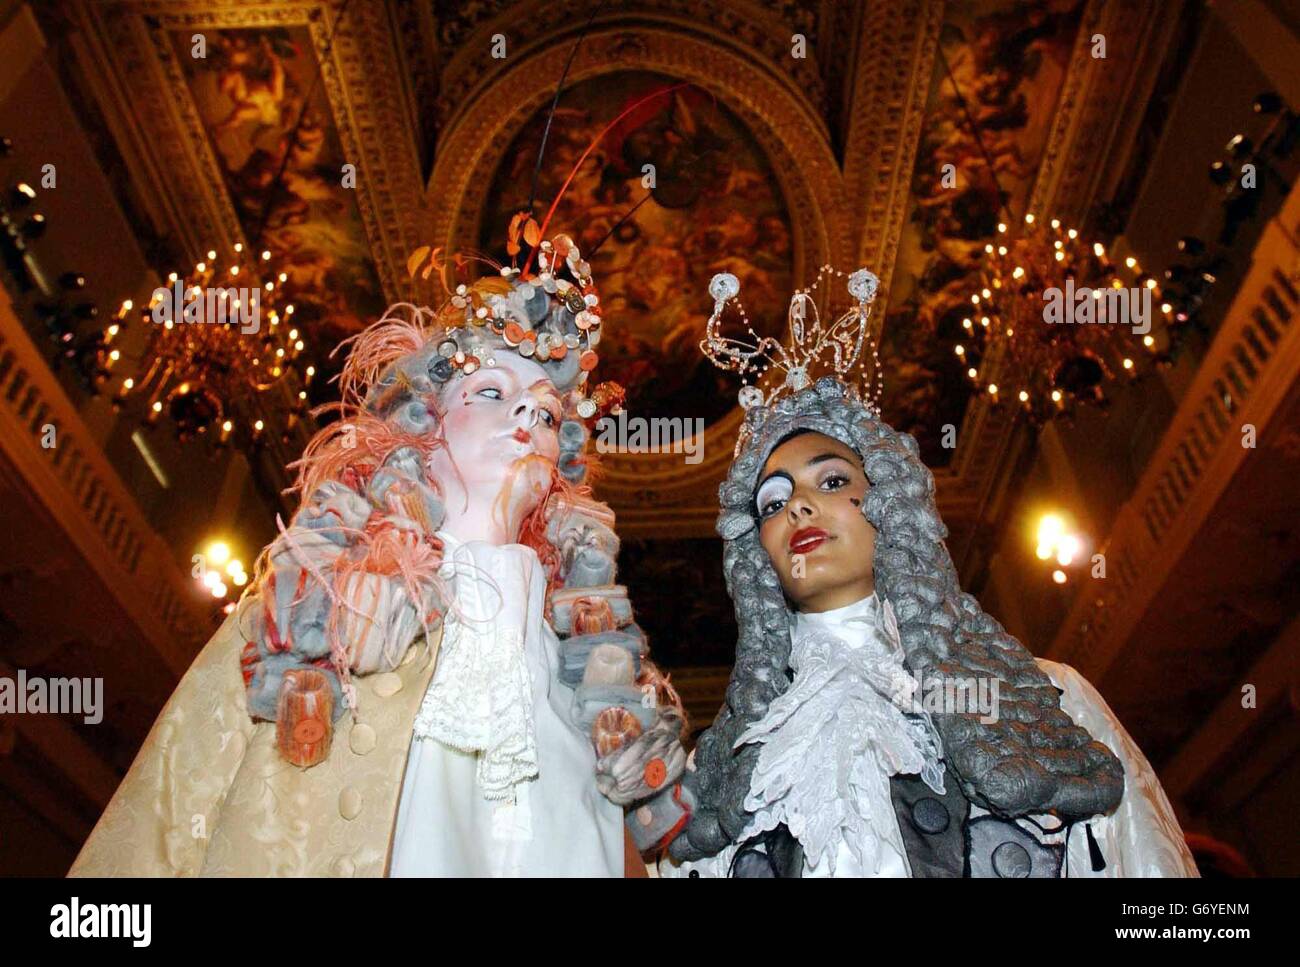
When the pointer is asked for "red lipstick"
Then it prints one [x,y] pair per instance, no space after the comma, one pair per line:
[522,435]
[808,539]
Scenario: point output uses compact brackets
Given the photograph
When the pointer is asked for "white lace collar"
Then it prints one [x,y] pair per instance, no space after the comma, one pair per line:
[853,622]
[831,741]
[480,697]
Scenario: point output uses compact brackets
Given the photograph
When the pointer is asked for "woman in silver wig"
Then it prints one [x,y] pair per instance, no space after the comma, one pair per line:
[823,761]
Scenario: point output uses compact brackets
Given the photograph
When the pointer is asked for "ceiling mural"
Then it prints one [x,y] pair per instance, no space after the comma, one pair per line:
[713,207]
[1008,60]
[748,178]
[285,176]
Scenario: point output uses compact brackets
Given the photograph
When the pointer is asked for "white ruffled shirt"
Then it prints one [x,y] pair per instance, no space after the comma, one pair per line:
[834,738]
[498,780]
[831,741]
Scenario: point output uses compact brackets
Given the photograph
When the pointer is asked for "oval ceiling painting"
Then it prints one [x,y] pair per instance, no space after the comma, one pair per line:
[705,202]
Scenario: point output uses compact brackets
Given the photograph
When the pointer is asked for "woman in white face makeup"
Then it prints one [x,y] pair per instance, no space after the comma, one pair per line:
[501,426]
[434,673]
[474,800]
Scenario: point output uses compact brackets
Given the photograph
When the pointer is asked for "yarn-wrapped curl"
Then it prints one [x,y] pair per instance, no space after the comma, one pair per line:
[1034,759]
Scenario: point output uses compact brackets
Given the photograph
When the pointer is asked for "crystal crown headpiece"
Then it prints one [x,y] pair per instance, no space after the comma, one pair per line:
[815,349]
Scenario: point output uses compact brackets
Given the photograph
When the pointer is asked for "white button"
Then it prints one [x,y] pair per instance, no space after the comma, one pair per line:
[389,683]
[349,803]
[362,739]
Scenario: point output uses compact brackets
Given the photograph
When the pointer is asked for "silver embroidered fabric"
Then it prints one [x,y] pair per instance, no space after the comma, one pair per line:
[480,697]
[833,739]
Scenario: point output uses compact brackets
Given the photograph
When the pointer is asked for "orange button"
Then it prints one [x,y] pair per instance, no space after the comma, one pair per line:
[655,773]
[308,731]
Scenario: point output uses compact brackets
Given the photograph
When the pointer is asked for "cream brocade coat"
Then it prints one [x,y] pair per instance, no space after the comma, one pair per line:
[209,795]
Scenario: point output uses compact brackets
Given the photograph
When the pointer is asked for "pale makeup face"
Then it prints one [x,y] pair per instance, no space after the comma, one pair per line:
[501,427]
[809,504]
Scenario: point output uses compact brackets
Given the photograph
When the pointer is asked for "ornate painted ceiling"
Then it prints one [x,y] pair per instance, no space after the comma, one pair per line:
[802,133]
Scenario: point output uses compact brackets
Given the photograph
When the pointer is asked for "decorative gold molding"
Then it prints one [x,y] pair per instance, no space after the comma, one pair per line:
[894,67]
[1087,120]
[368,107]
[744,27]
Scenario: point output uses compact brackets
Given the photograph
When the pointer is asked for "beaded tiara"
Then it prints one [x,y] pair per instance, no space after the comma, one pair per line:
[815,349]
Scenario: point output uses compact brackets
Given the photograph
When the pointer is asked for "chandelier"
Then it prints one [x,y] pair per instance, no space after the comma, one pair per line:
[222,353]
[1054,320]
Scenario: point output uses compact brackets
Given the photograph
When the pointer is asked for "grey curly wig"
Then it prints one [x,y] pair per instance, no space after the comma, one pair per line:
[1034,759]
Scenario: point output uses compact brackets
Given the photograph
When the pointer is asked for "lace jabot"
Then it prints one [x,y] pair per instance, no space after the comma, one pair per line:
[480,698]
[833,739]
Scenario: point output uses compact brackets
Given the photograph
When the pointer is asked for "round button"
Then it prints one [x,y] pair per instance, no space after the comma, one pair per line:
[389,683]
[362,739]
[645,816]
[930,815]
[655,773]
[309,731]
[349,803]
[1011,861]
